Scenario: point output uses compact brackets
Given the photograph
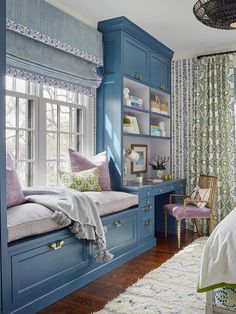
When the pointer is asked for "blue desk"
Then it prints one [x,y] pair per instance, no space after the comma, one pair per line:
[152,197]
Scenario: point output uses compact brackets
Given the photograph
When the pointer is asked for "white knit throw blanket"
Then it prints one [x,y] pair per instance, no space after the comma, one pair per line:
[75,209]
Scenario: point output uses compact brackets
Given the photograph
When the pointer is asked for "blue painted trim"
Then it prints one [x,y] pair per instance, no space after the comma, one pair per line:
[160,114]
[136,109]
[3,233]
[143,135]
[124,24]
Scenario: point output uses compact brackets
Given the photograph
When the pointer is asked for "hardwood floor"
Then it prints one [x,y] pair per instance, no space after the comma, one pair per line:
[95,295]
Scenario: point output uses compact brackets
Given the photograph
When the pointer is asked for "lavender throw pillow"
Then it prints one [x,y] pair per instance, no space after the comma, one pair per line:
[79,163]
[15,194]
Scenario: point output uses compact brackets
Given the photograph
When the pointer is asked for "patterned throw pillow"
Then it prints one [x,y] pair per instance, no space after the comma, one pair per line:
[200,197]
[79,163]
[87,180]
[15,194]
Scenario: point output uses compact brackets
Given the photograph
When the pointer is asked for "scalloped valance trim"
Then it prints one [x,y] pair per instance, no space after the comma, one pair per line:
[53,42]
[29,76]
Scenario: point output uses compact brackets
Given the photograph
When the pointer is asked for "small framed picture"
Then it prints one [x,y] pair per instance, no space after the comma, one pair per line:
[134,128]
[141,164]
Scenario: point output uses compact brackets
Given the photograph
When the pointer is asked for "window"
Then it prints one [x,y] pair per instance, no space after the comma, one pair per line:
[42,123]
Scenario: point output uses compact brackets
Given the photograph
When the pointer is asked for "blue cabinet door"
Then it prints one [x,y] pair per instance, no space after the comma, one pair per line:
[159,72]
[136,59]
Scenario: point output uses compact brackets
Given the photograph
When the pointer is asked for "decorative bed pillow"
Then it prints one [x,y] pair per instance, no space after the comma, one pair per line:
[87,180]
[200,196]
[79,163]
[15,194]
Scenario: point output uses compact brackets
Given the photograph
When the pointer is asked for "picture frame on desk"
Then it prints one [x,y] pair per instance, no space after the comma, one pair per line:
[140,166]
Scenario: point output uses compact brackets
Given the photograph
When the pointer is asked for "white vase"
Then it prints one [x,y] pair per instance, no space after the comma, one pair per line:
[159,174]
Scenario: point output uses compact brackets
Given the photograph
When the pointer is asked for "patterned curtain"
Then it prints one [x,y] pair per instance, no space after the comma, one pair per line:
[182,112]
[213,147]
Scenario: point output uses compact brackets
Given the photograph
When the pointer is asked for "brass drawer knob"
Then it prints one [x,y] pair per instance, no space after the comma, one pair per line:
[117,223]
[162,86]
[57,245]
[147,208]
[138,77]
[147,222]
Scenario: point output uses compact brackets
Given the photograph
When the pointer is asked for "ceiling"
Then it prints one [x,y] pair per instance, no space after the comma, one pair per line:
[170,21]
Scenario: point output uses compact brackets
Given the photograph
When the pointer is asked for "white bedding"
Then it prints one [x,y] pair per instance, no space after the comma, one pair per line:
[218,266]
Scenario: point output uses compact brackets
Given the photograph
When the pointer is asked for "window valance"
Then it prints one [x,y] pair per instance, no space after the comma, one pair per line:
[49,46]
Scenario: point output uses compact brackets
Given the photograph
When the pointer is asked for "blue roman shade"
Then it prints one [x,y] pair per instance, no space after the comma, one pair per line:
[49,46]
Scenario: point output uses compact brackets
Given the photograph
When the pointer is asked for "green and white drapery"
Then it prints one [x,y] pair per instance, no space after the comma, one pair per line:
[182,113]
[213,140]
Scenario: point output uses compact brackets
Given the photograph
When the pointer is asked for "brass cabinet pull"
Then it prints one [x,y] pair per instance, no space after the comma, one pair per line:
[162,86]
[147,208]
[147,222]
[56,245]
[117,223]
[138,77]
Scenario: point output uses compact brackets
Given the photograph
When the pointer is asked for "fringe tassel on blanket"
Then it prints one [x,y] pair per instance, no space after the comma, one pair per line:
[79,231]
[104,256]
[61,219]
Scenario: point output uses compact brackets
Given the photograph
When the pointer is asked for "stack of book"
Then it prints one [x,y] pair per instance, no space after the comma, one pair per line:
[135,102]
[155,130]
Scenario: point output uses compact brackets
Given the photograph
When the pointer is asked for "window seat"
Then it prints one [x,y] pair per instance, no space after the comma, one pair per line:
[33,219]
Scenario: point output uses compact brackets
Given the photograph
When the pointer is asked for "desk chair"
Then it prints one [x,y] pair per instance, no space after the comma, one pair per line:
[189,210]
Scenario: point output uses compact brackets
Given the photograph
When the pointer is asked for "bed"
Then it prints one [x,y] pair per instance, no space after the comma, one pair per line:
[218,268]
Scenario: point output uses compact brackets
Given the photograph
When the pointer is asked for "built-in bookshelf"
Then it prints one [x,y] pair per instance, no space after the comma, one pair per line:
[153,120]
[134,103]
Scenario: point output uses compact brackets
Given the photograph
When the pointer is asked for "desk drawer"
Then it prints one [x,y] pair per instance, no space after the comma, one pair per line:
[37,271]
[147,228]
[145,192]
[147,211]
[160,190]
[146,201]
[121,232]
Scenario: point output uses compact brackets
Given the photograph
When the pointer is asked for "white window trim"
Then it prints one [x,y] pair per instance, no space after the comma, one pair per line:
[88,127]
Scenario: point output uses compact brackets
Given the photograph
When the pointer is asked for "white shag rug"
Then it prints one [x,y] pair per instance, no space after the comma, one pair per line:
[168,289]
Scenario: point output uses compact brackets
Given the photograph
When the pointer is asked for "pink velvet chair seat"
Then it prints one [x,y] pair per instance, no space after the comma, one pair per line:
[192,211]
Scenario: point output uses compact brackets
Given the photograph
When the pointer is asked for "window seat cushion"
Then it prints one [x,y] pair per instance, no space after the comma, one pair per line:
[31,219]
[112,201]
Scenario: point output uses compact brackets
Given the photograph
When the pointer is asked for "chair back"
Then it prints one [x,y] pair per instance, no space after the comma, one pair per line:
[206,182]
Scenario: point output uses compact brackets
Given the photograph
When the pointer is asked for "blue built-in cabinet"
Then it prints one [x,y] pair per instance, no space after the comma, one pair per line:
[136,60]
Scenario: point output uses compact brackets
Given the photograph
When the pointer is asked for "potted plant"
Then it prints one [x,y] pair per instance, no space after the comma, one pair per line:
[159,164]
[139,177]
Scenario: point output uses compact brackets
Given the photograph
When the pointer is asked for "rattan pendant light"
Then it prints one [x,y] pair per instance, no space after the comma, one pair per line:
[219,14]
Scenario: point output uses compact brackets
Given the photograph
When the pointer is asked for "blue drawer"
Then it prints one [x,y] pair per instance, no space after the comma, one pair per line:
[37,271]
[147,228]
[146,201]
[159,190]
[145,192]
[121,232]
[147,208]
[170,188]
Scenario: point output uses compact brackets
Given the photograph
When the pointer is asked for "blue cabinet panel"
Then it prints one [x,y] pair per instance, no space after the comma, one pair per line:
[136,59]
[40,268]
[160,72]
[121,231]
